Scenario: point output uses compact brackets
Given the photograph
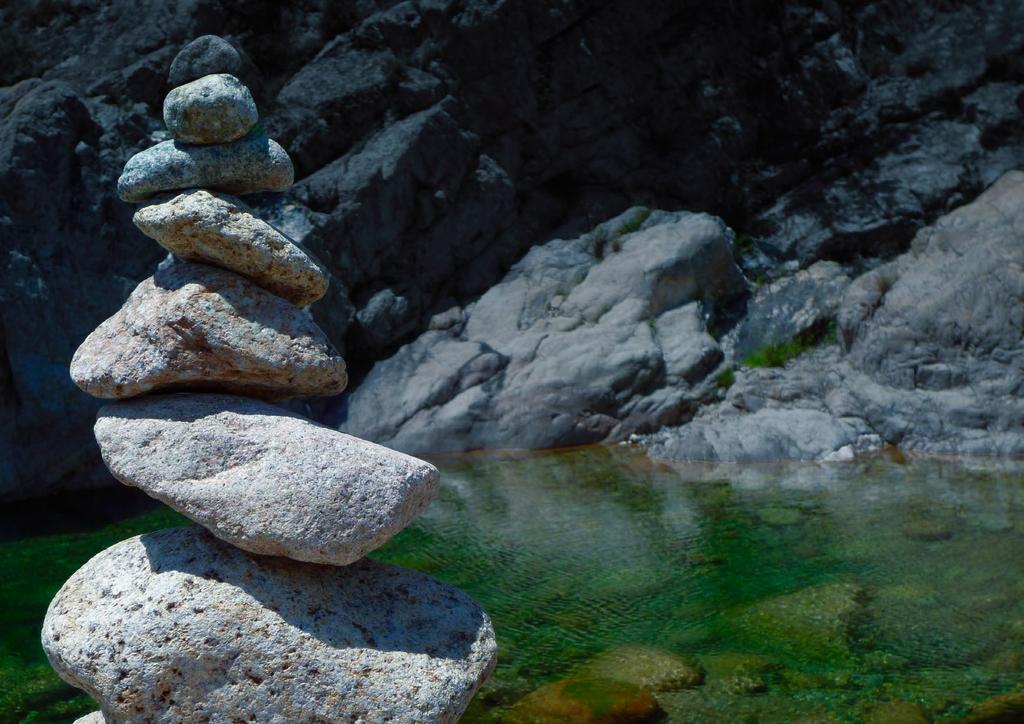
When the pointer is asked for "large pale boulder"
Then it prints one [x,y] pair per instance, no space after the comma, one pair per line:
[178,626]
[192,326]
[263,479]
[220,230]
[249,165]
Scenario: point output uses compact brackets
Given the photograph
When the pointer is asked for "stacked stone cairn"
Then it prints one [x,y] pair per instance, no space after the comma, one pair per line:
[267,610]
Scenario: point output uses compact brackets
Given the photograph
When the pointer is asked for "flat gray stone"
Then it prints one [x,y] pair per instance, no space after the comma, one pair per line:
[205,55]
[212,109]
[220,230]
[263,479]
[249,165]
[178,626]
[196,327]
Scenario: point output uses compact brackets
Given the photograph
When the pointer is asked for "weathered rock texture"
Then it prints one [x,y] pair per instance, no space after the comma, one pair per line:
[220,230]
[266,639]
[585,339]
[435,142]
[930,357]
[250,165]
[213,109]
[262,479]
[192,326]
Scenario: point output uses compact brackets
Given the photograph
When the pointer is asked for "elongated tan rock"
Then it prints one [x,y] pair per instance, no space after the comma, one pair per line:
[177,626]
[249,165]
[219,229]
[192,326]
[263,479]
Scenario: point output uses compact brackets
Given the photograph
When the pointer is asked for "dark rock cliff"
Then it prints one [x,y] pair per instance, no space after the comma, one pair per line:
[436,141]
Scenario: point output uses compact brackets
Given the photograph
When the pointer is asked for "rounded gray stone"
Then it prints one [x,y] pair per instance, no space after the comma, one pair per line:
[249,165]
[212,109]
[220,230]
[95,717]
[205,55]
[178,626]
[263,479]
[196,327]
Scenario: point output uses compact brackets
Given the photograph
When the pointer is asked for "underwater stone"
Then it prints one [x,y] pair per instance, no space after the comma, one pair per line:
[645,666]
[587,701]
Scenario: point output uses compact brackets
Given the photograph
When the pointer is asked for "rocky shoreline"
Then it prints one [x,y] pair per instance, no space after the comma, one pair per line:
[822,133]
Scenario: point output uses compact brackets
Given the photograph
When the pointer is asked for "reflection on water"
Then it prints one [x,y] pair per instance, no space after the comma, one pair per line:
[840,589]
[882,590]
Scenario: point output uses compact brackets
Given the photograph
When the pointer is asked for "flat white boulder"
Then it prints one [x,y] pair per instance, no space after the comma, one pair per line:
[263,479]
[192,326]
[220,230]
[178,626]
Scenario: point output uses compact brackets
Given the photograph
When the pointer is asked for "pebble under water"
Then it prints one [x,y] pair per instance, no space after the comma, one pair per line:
[887,589]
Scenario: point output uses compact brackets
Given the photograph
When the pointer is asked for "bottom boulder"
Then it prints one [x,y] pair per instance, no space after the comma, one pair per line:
[178,626]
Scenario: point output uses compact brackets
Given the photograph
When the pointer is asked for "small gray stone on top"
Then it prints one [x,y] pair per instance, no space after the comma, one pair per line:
[268,481]
[220,230]
[205,55]
[251,164]
[212,109]
[178,626]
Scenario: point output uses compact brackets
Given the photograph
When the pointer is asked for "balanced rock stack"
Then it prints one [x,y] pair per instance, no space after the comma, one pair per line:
[267,610]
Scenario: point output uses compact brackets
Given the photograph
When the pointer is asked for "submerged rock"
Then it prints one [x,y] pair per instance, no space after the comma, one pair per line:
[896,712]
[192,326]
[252,164]
[1003,709]
[217,229]
[588,701]
[810,625]
[262,479]
[213,109]
[178,626]
[205,55]
[644,666]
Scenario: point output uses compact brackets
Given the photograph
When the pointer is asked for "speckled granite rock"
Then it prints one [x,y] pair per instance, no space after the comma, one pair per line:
[251,164]
[212,109]
[220,230]
[178,626]
[263,479]
[205,55]
[95,718]
[192,326]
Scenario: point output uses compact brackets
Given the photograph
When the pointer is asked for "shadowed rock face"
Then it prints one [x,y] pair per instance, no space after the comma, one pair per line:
[435,143]
[266,638]
[262,479]
[192,326]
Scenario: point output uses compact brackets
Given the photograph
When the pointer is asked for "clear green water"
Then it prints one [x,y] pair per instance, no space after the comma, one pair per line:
[852,584]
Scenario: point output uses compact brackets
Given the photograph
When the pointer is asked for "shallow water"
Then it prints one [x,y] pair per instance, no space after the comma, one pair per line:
[839,587]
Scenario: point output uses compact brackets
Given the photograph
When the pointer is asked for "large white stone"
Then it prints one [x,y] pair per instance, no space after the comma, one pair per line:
[263,479]
[192,326]
[177,626]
